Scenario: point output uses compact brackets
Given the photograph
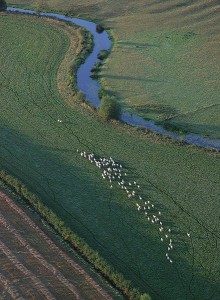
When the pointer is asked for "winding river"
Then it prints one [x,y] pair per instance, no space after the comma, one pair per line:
[90,87]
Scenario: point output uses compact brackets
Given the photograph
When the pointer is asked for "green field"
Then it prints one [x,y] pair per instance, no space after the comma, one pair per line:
[164,67]
[182,181]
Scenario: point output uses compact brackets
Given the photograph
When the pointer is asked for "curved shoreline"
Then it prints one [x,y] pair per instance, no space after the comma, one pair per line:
[90,87]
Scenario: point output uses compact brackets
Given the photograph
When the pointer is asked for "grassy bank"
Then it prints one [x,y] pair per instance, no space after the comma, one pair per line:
[84,48]
[165,67]
[38,237]
[161,62]
[181,181]
[93,257]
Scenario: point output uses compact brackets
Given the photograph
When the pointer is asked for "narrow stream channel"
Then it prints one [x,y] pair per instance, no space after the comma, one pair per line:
[90,87]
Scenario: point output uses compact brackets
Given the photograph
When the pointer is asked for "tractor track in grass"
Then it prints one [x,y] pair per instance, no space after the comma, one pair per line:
[133,120]
[151,184]
[86,144]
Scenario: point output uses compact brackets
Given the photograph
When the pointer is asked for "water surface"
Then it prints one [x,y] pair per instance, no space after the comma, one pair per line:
[91,87]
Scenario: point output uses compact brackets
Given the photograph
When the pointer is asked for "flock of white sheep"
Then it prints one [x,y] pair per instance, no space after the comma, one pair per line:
[113,172]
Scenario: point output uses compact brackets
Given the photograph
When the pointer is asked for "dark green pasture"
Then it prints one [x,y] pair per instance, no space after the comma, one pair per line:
[165,60]
[181,181]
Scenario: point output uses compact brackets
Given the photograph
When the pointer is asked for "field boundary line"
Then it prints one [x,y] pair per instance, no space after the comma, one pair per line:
[76,266]
[28,273]
[39,257]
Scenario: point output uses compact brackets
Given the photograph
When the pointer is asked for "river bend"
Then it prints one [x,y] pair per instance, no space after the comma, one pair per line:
[90,87]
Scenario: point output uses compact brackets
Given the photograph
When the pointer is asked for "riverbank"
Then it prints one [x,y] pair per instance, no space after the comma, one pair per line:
[181,182]
[91,87]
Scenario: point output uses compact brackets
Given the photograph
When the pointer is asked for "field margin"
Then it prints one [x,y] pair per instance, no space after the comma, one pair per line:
[93,257]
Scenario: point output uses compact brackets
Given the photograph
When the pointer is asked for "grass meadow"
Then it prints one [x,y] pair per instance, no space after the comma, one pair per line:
[182,181]
[166,66]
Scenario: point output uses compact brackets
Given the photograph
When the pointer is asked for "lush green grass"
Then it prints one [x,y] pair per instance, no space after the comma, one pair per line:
[169,61]
[183,182]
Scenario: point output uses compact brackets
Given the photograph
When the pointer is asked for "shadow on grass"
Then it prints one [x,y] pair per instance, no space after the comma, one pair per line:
[167,116]
[109,222]
[164,110]
[172,6]
[119,77]
[186,127]
[138,45]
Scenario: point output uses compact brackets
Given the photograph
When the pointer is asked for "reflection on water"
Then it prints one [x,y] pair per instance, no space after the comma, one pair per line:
[90,87]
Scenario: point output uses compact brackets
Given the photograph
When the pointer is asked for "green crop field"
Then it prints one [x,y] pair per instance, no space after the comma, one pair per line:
[181,181]
[165,62]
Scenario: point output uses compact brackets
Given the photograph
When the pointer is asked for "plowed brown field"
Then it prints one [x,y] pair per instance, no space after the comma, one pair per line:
[33,266]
